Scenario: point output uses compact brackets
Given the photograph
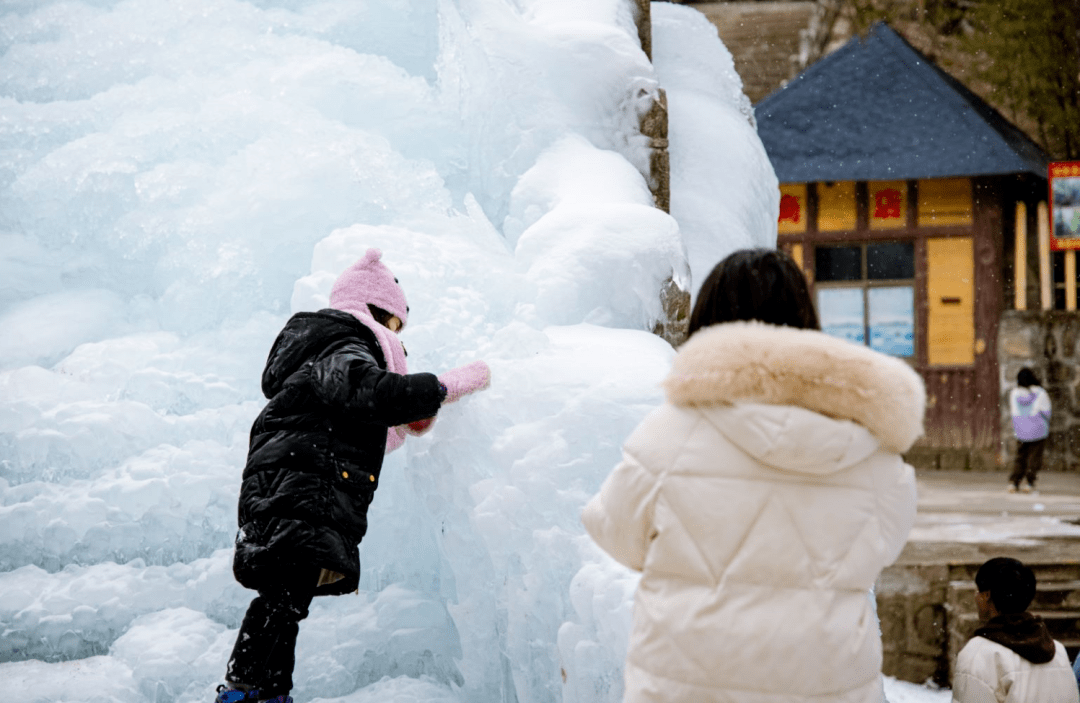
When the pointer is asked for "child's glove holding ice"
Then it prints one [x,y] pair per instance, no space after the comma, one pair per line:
[464,380]
[458,383]
[420,427]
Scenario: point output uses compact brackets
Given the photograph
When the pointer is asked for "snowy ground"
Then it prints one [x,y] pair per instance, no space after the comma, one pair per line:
[177,177]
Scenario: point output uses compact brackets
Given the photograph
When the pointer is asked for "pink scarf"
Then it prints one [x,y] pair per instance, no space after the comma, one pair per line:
[394,354]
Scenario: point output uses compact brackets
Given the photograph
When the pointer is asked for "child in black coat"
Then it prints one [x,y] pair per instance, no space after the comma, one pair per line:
[340,398]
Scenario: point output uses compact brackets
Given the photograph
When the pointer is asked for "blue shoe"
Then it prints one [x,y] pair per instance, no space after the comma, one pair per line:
[236,695]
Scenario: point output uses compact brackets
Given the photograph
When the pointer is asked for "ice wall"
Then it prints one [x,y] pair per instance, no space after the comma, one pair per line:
[177,177]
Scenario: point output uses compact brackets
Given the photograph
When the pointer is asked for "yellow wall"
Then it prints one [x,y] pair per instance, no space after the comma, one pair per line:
[945,201]
[836,206]
[950,292]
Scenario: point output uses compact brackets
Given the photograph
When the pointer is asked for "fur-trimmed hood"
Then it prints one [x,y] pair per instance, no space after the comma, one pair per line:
[758,363]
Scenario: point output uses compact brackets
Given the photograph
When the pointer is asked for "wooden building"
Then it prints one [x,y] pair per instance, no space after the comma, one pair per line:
[910,203]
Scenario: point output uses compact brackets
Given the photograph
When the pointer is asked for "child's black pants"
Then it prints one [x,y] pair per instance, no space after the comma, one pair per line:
[265,650]
[1029,456]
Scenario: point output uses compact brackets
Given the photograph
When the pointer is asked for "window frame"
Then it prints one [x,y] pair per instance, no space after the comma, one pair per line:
[866,283]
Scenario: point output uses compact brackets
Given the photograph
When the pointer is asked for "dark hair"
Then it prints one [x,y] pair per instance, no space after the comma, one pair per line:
[381,316]
[1010,583]
[755,284]
[1027,378]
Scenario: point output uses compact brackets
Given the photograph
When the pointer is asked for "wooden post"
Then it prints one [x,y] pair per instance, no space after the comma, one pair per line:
[654,125]
[1046,275]
[1020,265]
[644,26]
[1070,280]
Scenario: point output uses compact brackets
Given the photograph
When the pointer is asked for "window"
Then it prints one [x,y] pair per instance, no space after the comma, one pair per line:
[866,294]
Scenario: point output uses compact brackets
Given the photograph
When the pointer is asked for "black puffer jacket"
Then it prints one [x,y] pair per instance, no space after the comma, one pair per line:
[317,448]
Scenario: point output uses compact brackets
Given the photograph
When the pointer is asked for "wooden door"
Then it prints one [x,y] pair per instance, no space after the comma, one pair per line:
[950,298]
[957,415]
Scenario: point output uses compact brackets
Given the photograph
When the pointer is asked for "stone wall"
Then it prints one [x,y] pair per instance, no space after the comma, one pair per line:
[1047,343]
[911,608]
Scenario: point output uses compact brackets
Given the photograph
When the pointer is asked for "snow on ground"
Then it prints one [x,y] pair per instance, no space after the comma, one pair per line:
[903,692]
[176,178]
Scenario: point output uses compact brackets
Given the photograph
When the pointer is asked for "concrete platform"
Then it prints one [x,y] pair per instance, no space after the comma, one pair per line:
[967,516]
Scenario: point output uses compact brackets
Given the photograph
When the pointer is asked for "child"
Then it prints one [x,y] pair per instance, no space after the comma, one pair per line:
[762,500]
[339,398]
[1012,658]
[1030,406]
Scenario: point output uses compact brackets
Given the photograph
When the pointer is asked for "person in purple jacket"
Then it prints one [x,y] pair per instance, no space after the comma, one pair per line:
[1030,407]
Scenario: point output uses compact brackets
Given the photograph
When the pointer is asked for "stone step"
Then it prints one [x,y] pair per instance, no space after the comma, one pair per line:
[1059,619]
[1049,595]
[1044,573]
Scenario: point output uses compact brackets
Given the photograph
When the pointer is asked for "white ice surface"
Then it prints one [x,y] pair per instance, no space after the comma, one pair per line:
[718,210]
[176,178]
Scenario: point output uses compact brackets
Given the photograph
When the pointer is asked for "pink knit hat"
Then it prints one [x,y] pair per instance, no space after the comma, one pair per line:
[368,281]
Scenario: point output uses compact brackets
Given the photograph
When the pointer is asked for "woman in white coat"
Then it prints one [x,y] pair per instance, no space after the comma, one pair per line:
[762,500]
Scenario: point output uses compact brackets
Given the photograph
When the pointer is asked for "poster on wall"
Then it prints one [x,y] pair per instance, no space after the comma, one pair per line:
[1065,205]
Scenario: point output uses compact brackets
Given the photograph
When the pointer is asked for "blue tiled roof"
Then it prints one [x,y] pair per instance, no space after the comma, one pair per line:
[877,109]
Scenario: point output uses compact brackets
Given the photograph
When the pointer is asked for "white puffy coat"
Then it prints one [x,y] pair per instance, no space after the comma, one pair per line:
[761,501]
[987,672]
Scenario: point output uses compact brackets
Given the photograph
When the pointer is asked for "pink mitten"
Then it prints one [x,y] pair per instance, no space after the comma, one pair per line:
[465,379]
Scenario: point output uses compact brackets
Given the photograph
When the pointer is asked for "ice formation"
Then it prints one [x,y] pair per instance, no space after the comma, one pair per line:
[177,177]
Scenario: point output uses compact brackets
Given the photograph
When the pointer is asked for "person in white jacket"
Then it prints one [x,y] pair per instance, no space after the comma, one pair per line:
[761,501]
[1011,658]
